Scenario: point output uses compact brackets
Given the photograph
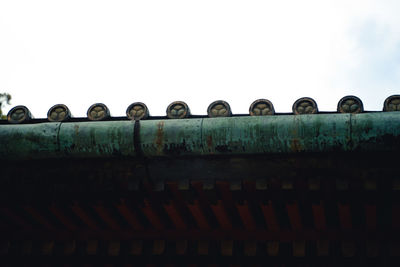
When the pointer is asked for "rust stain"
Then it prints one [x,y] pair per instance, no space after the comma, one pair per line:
[209,142]
[295,145]
[160,136]
[76,127]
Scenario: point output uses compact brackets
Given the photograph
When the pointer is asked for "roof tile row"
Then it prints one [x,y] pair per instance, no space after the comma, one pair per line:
[180,110]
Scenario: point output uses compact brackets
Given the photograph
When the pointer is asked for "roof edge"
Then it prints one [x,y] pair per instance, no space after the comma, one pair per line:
[284,134]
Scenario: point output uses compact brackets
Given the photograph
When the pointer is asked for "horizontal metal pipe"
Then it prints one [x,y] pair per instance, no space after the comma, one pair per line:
[67,140]
[282,134]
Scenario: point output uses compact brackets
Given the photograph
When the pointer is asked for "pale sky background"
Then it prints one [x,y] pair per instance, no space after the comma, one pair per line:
[118,52]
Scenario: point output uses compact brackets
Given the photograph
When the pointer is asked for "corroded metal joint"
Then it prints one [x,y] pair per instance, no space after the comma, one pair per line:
[137,111]
[58,113]
[98,112]
[19,114]
[178,110]
[219,108]
[305,105]
[261,107]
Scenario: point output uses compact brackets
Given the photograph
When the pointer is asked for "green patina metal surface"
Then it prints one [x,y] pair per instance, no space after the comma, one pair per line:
[97,139]
[58,140]
[171,137]
[372,133]
[276,134]
[207,136]
[29,141]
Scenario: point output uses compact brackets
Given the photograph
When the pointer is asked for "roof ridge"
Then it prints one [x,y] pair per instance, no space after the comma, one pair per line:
[180,110]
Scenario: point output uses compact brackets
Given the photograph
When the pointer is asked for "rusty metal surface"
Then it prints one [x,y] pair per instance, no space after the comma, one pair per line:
[171,137]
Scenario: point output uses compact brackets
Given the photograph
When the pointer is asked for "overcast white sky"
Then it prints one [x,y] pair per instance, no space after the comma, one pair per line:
[118,52]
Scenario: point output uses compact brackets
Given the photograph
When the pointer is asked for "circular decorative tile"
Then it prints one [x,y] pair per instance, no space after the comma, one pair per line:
[19,114]
[98,112]
[350,104]
[392,103]
[305,105]
[219,108]
[137,111]
[58,112]
[178,110]
[261,107]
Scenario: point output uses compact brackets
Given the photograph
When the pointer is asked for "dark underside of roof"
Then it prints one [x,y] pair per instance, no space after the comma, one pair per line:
[306,190]
[305,209]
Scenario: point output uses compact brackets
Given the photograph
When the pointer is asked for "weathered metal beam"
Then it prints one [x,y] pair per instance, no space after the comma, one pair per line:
[272,134]
[96,139]
[67,140]
[254,135]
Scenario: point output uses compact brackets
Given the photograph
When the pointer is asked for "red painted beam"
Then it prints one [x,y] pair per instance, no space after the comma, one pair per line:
[396,216]
[204,235]
[246,216]
[221,215]
[84,216]
[198,215]
[175,216]
[319,216]
[129,216]
[106,217]
[15,218]
[370,217]
[62,218]
[39,218]
[152,216]
[294,216]
[223,187]
[344,216]
[270,217]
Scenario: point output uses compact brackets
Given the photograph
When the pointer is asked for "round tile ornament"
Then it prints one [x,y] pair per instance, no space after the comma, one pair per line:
[19,114]
[58,113]
[98,112]
[392,103]
[350,104]
[305,105]
[261,107]
[219,108]
[137,111]
[178,110]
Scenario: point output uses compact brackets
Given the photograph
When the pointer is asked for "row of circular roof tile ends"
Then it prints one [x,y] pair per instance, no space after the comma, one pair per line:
[180,110]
